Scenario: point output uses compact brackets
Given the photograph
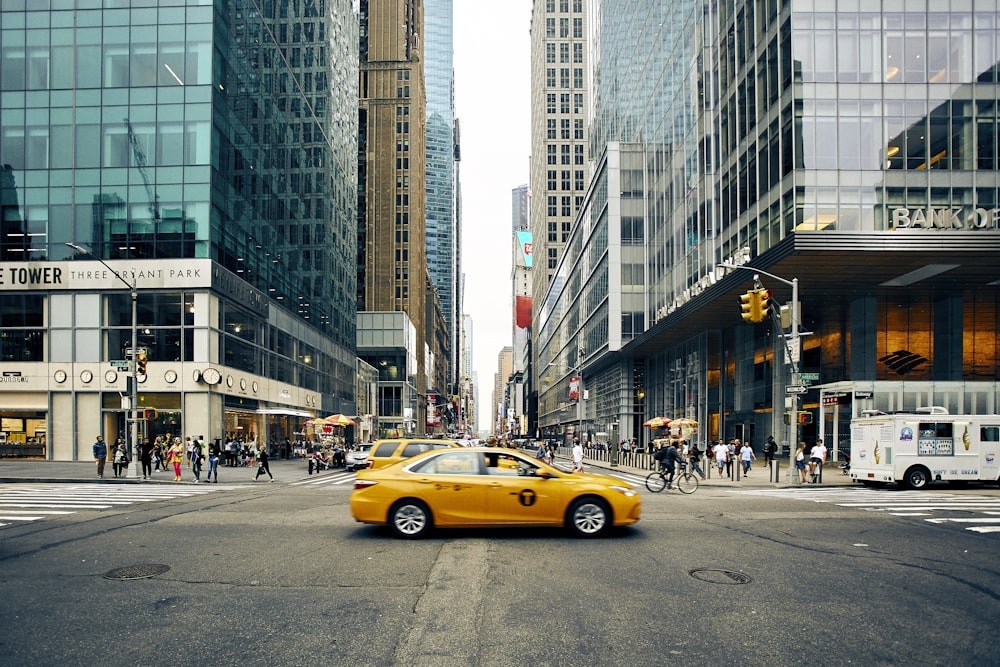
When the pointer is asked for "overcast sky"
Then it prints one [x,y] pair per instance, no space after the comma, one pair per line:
[492,100]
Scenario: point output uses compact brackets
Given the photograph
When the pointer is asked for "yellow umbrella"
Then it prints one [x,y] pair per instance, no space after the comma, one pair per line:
[656,422]
[683,422]
[339,420]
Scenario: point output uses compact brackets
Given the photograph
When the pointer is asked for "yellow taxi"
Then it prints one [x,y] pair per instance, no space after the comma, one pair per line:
[487,486]
[392,450]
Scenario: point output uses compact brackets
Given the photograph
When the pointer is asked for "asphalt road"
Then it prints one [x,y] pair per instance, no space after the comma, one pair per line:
[279,574]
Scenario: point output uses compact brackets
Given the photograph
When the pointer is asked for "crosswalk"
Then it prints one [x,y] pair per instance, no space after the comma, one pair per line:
[328,479]
[934,508]
[25,503]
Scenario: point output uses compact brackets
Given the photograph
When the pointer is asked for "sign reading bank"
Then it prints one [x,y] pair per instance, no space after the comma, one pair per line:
[115,274]
[946,218]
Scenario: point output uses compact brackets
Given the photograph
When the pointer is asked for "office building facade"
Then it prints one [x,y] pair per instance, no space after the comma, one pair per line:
[442,155]
[848,151]
[203,155]
[392,251]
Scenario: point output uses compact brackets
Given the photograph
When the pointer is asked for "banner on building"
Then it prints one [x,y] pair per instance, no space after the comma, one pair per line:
[522,314]
[525,249]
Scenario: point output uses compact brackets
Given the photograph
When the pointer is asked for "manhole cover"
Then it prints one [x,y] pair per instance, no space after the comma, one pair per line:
[720,576]
[136,572]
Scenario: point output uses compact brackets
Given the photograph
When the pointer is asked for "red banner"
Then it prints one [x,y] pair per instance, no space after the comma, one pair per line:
[522,311]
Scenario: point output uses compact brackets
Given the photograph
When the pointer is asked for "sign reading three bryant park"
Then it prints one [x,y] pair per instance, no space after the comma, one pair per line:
[946,218]
[113,274]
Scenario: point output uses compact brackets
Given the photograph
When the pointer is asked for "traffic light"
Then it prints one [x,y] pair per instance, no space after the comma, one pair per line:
[748,306]
[149,414]
[804,418]
[140,363]
[764,303]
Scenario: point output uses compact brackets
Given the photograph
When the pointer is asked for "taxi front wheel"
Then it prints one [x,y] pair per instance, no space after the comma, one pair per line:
[588,517]
[410,519]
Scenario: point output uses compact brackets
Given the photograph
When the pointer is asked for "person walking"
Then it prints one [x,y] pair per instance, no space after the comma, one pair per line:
[146,458]
[262,460]
[800,461]
[175,456]
[197,459]
[100,455]
[577,457]
[158,454]
[721,451]
[694,457]
[213,463]
[119,458]
[770,450]
[746,457]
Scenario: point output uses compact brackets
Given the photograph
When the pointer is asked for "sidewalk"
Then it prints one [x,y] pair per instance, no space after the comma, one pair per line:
[758,478]
[33,470]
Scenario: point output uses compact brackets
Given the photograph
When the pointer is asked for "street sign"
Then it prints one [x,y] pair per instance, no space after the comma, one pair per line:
[129,353]
[809,377]
[122,365]
[796,389]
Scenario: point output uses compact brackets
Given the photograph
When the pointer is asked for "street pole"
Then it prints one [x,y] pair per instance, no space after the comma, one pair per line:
[131,416]
[793,351]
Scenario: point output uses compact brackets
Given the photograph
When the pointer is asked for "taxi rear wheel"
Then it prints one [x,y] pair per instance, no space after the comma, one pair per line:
[589,517]
[410,519]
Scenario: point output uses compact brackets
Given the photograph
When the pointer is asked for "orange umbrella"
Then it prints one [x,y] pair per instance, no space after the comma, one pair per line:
[657,422]
[339,420]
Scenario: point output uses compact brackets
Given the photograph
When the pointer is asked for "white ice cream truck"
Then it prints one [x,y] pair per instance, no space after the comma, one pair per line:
[917,448]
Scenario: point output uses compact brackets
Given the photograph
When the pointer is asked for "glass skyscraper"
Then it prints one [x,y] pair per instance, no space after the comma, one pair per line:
[442,218]
[207,151]
[850,147]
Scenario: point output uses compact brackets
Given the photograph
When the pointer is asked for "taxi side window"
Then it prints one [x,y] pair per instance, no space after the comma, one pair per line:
[385,449]
[412,449]
[453,463]
[498,464]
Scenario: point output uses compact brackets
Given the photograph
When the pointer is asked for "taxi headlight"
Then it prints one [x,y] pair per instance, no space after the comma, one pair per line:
[624,490]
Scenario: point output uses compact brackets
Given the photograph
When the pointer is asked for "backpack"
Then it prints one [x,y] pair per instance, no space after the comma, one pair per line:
[659,454]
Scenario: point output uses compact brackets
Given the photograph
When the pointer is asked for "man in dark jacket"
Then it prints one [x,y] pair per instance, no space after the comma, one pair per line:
[100,455]
[668,458]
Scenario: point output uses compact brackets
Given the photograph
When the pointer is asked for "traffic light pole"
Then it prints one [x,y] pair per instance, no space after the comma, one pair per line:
[136,467]
[792,350]
[131,416]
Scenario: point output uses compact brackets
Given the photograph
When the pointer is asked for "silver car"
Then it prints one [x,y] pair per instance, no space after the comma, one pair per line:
[357,458]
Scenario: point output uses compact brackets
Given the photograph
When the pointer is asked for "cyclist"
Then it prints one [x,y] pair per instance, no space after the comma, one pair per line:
[667,463]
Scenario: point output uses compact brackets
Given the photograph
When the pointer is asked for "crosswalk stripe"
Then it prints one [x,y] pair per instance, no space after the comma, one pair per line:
[33,503]
[902,504]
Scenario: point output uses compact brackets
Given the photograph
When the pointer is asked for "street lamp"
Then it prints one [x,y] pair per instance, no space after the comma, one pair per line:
[130,416]
[792,349]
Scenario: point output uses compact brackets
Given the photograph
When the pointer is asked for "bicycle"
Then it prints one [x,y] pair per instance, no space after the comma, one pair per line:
[684,481]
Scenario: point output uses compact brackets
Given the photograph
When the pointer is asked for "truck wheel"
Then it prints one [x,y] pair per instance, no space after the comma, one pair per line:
[917,477]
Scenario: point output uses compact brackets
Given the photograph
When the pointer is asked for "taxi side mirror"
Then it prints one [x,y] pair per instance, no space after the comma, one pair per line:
[545,474]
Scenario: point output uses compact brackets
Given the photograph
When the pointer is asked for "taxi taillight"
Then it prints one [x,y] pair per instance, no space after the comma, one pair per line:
[360,484]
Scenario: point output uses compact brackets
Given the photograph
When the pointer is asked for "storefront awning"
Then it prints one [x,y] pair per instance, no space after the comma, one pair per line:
[284,411]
